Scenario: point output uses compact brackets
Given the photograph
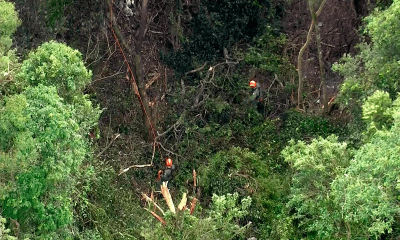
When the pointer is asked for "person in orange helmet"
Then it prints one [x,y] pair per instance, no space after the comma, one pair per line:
[256,95]
[168,173]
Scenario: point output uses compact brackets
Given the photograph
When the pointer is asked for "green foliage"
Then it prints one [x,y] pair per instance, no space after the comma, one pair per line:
[9,22]
[315,167]
[4,232]
[377,65]
[377,112]
[229,171]
[41,151]
[368,191]
[267,53]
[220,222]
[218,25]
[336,194]
[56,64]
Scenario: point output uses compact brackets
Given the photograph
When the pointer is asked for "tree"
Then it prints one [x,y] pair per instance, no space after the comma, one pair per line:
[56,64]
[40,154]
[315,167]
[314,16]
[376,66]
[9,22]
[220,222]
[368,191]
[136,74]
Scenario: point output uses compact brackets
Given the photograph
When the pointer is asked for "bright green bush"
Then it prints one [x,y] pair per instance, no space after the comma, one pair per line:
[40,154]
[56,64]
[315,167]
[377,65]
[377,112]
[220,222]
[4,232]
[9,22]
[368,191]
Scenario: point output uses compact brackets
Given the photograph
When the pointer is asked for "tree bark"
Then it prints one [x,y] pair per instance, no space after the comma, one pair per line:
[321,63]
[302,50]
[148,116]
[300,66]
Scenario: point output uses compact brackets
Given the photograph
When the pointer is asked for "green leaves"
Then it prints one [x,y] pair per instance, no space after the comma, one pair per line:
[48,150]
[221,222]
[4,232]
[377,66]
[315,167]
[368,190]
[9,22]
[56,64]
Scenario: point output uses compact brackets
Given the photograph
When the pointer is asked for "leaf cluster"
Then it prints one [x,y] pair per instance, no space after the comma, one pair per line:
[218,25]
[377,65]
[220,222]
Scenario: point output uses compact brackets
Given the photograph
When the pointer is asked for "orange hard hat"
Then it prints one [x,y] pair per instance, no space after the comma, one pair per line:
[168,162]
[253,84]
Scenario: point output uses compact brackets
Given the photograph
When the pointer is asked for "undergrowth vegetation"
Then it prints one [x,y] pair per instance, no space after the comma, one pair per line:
[271,174]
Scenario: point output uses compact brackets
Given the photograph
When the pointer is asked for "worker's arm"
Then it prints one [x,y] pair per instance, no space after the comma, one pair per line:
[255,95]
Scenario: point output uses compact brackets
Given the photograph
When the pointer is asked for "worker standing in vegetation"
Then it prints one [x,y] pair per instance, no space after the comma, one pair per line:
[168,173]
[256,96]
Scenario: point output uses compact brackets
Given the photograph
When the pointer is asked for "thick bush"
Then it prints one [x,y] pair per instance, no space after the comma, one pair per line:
[9,22]
[40,154]
[377,65]
[56,64]
[220,222]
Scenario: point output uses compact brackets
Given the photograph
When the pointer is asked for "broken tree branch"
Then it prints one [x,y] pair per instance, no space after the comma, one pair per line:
[167,197]
[112,140]
[148,199]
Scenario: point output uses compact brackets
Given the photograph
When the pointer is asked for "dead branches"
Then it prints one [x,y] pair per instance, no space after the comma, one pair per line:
[112,140]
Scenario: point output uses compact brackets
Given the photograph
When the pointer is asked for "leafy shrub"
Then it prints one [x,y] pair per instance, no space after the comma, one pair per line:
[315,167]
[4,232]
[228,170]
[221,222]
[377,112]
[368,191]
[41,151]
[377,65]
[56,64]
[9,22]
[218,25]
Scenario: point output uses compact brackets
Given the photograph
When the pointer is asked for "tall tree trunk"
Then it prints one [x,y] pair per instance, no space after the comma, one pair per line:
[321,63]
[300,67]
[148,114]
[302,50]
[137,79]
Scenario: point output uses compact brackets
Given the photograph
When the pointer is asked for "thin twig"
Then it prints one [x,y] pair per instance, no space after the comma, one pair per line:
[112,140]
[135,166]
[148,199]
[168,150]
[197,69]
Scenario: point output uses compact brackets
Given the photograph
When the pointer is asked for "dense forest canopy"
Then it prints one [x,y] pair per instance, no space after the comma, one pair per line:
[124,119]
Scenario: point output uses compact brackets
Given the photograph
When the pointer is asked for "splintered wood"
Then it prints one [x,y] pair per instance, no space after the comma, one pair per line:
[182,205]
[167,196]
[158,218]
[194,201]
